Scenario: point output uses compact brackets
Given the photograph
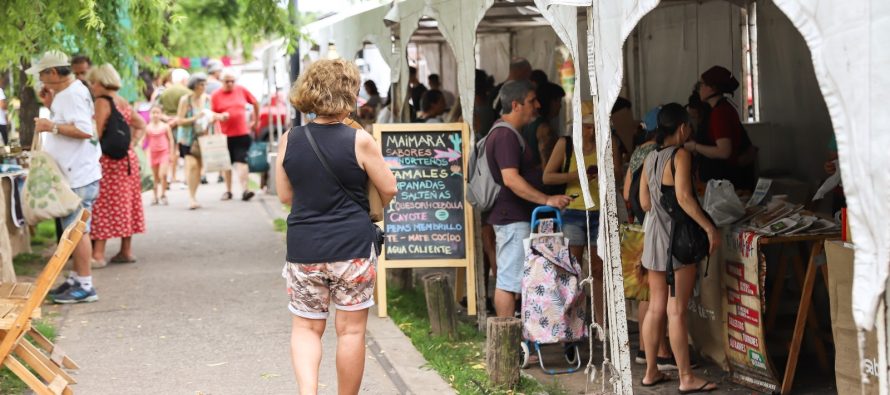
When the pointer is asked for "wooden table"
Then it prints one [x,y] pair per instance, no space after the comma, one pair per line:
[805,315]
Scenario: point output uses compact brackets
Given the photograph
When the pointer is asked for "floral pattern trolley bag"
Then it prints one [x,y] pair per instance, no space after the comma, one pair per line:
[553,309]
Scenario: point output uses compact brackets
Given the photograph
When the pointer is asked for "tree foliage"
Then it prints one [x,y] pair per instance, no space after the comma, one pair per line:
[123,31]
[217,27]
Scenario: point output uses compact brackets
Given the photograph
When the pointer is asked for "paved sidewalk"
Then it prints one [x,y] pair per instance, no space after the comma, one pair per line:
[204,311]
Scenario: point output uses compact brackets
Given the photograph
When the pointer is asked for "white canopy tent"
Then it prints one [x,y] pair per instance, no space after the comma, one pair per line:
[849,60]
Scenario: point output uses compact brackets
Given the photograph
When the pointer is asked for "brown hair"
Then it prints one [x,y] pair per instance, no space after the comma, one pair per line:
[327,87]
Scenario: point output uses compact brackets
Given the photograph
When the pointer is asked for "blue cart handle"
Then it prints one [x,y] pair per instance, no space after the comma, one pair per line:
[545,209]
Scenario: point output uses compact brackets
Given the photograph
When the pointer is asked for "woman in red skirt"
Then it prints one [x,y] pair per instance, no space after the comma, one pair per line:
[117,212]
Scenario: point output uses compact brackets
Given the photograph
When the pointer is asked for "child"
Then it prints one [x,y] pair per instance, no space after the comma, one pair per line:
[160,142]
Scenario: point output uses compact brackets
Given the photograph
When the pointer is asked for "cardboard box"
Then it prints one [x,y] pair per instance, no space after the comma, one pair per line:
[840,292]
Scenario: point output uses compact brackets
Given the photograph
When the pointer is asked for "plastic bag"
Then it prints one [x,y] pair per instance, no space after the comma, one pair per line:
[721,203]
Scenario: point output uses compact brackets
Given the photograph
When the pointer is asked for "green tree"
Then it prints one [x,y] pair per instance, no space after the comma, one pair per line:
[123,31]
[108,30]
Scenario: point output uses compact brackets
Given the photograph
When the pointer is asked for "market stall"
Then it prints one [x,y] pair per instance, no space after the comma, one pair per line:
[848,84]
[830,31]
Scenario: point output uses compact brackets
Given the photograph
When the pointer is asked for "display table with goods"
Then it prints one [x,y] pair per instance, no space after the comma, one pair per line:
[769,256]
[15,235]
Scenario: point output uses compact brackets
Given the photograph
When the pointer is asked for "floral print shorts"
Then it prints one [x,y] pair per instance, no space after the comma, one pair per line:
[312,287]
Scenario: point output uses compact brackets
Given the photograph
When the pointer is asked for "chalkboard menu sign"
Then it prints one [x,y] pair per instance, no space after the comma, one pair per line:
[429,223]
[426,219]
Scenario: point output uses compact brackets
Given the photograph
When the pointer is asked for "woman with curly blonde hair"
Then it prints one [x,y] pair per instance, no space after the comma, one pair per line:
[323,169]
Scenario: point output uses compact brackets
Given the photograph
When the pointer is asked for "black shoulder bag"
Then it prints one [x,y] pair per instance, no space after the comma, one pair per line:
[379,234]
[689,241]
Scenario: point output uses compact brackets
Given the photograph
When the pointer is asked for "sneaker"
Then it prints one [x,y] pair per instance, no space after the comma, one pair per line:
[247,195]
[640,358]
[62,288]
[668,363]
[76,294]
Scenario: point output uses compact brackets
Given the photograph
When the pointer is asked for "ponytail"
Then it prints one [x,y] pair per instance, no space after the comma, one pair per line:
[670,117]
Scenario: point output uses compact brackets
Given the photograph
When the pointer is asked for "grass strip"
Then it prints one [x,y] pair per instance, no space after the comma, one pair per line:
[461,363]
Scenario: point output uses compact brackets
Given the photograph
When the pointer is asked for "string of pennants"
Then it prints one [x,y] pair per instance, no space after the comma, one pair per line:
[189,62]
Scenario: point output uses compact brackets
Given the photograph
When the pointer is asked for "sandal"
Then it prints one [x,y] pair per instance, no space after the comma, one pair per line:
[164,201]
[227,196]
[94,264]
[154,202]
[662,379]
[700,389]
[123,259]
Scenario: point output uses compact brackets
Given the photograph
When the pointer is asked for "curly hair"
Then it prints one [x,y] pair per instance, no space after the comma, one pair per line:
[327,87]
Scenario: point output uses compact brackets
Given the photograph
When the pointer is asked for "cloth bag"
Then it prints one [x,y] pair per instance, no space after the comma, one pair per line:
[46,193]
[214,151]
[145,176]
[257,157]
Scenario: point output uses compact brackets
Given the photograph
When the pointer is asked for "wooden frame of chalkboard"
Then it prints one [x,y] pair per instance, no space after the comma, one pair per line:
[429,224]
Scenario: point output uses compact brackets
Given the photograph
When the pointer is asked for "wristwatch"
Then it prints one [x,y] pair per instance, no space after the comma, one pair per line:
[55,129]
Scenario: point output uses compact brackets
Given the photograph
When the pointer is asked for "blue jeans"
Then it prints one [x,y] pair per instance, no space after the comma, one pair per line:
[575,225]
[88,194]
[511,254]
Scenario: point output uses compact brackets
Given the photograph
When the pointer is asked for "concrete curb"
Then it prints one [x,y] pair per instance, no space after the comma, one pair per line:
[400,359]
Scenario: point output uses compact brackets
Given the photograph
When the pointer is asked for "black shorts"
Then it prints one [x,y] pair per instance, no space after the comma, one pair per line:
[185,150]
[238,147]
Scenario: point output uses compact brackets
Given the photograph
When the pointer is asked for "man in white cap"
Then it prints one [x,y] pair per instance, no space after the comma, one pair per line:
[71,140]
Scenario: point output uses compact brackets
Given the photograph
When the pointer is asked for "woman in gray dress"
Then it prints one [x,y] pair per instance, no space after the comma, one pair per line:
[673,130]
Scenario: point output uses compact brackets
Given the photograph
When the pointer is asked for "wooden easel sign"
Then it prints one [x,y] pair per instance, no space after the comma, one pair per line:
[429,222]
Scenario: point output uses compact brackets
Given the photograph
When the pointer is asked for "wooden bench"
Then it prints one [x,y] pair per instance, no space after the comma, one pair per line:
[19,305]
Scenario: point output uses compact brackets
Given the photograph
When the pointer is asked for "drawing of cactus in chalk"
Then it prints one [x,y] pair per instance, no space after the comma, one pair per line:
[41,183]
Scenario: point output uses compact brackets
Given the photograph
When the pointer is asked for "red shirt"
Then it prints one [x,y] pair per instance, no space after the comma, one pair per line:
[234,103]
[724,124]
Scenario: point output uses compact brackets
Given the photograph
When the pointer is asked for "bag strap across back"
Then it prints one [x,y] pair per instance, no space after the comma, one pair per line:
[327,167]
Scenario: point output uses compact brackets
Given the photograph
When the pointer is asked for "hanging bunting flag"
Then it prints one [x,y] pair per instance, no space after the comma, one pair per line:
[195,62]
[164,61]
[175,63]
[204,62]
[185,62]
[226,61]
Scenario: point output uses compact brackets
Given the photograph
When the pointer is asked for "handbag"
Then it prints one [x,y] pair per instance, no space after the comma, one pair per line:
[689,241]
[145,177]
[46,194]
[379,234]
[214,152]
[257,157]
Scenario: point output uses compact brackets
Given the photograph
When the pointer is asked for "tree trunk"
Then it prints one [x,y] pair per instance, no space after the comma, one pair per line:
[440,305]
[30,106]
[502,351]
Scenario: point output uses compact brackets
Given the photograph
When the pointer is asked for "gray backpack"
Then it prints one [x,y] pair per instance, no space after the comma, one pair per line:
[483,190]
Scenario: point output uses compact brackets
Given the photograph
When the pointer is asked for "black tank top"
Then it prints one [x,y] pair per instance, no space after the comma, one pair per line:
[324,224]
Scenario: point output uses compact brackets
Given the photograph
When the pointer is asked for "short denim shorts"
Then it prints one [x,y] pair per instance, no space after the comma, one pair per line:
[575,225]
[88,194]
[511,254]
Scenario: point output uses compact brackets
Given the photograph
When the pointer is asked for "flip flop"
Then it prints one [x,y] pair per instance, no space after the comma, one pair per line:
[664,378]
[699,389]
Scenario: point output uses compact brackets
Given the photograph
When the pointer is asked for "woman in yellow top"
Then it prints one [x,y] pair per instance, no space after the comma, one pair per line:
[575,222]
